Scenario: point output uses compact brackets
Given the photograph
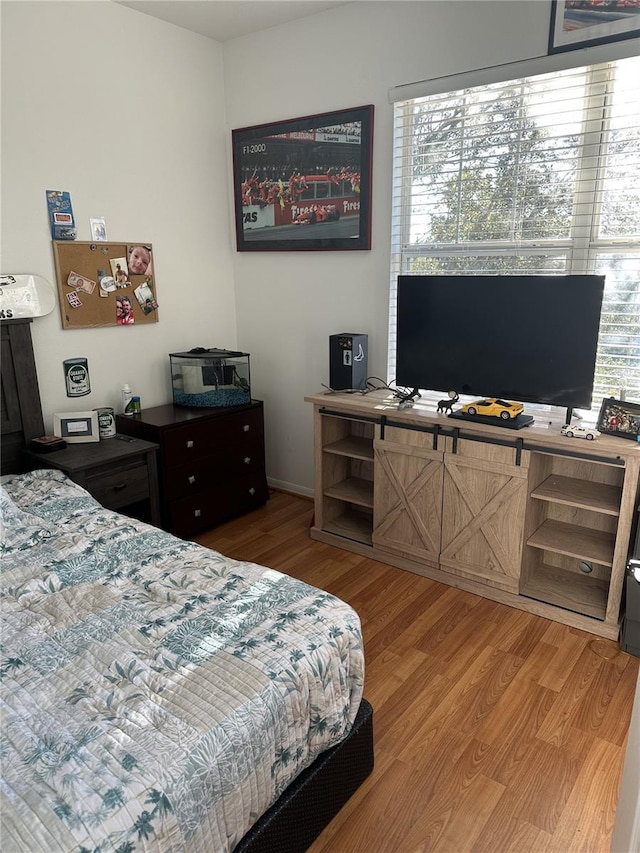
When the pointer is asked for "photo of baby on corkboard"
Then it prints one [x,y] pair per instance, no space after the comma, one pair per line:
[140,260]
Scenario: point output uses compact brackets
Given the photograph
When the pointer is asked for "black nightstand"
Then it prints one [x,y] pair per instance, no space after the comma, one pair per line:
[121,473]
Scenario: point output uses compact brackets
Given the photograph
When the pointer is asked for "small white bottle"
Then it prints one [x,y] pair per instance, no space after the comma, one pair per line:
[126,398]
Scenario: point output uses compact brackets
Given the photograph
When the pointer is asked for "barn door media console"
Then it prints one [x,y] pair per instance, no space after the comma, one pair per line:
[534,519]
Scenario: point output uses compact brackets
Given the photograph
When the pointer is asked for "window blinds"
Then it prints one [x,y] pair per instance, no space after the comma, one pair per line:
[535,175]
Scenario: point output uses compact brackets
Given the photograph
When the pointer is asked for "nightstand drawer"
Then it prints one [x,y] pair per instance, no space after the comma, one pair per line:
[119,473]
[120,487]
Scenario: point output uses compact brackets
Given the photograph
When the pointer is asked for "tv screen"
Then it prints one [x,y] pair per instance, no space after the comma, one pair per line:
[529,338]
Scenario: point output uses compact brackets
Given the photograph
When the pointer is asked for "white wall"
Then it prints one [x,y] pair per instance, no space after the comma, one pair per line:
[626,830]
[289,303]
[133,117]
[127,113]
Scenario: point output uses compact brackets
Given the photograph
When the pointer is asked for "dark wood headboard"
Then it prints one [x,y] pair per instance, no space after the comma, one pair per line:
[21,411]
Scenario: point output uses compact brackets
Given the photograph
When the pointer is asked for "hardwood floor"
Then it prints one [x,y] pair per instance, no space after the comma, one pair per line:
[495,730]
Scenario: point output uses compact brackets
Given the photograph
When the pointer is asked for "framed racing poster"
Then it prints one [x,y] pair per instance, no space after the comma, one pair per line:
[304,183]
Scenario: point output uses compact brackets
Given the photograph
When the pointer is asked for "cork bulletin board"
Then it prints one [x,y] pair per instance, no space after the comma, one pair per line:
[105,284]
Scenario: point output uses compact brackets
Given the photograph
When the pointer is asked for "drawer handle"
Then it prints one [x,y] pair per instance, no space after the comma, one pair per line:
[191,480]
[245,428]
[190,444]
[119,487]
[252,491]
[197,513]
[246,460]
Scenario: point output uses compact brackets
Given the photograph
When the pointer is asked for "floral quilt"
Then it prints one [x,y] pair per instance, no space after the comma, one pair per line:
[156,695]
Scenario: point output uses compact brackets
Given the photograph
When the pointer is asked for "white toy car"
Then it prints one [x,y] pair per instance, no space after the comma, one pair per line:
[573,431]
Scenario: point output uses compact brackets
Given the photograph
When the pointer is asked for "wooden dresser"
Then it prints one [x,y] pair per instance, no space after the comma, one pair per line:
[211,462]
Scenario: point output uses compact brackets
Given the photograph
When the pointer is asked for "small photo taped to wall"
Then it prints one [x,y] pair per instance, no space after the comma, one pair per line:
[98,229]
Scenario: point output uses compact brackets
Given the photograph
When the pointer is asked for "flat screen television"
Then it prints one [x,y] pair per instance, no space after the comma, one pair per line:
[530,338]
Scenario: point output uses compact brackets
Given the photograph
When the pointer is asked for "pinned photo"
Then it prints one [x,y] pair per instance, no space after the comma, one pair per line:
[140,260]
[120,271]
[74,300]
[124,311]
[145,297]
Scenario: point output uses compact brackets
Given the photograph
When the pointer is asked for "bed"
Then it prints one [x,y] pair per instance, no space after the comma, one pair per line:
[157,695]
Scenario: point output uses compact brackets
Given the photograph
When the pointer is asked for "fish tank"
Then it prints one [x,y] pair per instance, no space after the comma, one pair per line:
[210,377]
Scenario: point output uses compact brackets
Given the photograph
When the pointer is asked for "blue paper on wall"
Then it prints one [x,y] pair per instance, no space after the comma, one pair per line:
[63,226]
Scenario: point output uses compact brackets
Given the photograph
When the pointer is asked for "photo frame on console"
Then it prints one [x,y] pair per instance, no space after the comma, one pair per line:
[617,417]
[304,183]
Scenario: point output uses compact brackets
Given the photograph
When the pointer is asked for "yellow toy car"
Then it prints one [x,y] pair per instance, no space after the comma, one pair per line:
[493,408]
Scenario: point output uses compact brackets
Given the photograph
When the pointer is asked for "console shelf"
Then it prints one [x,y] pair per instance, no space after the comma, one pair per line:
[353,491]
[344,467]
[352,446]
[577,593]
[535,520]
[572,540]
[352,524]
[572,491]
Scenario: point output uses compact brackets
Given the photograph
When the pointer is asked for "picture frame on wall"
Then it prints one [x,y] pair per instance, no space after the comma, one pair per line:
[304,183]
[618,417]
[576,24]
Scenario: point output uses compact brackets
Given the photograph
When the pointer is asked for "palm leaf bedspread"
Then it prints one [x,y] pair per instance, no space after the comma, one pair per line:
[155,694]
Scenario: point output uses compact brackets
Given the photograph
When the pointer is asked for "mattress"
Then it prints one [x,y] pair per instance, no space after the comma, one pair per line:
[156,695]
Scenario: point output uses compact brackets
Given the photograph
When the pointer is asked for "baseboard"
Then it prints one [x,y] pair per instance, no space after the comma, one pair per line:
[292,488]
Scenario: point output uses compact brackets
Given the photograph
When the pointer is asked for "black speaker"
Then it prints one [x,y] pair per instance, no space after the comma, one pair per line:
[347,361]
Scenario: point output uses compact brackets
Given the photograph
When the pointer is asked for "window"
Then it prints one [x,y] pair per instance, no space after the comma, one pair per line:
[539,175]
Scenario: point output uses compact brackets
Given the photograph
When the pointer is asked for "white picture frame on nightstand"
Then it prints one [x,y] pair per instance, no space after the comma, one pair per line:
[76,427]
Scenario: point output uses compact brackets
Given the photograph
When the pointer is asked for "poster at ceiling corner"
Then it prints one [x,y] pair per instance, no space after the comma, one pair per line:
[576,24]
[63,226]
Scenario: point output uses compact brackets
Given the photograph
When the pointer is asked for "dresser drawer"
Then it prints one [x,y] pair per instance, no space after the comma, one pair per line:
[120,486]
[203,474]
[221,435]
[193,514]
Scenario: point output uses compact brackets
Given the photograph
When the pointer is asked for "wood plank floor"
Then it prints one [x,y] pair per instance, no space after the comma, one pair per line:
[495,730]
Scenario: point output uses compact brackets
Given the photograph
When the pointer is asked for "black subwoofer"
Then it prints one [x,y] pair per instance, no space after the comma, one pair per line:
[347,361]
